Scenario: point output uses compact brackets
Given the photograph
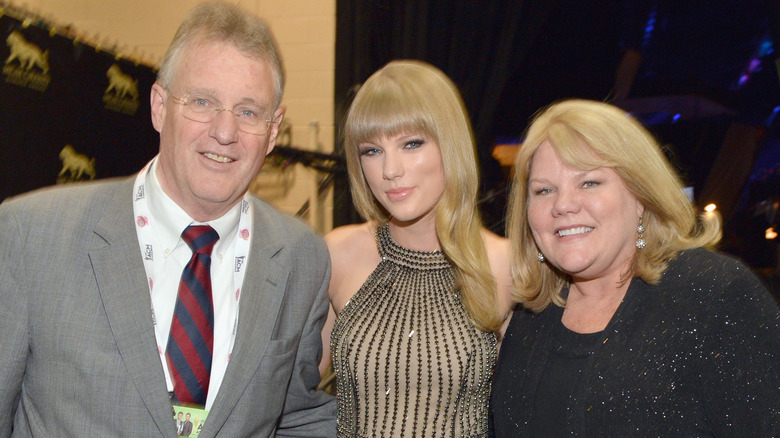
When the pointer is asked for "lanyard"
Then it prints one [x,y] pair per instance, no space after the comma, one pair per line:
[144,222]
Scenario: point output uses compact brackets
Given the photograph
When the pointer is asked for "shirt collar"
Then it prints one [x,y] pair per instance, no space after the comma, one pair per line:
[171,220]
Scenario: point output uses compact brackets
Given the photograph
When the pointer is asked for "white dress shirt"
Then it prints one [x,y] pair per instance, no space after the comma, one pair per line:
[172,255]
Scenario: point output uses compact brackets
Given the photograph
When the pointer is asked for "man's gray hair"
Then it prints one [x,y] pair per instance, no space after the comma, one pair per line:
[217,21]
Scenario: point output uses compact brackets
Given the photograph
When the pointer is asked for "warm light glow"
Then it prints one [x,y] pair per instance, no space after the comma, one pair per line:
[770,233]
[709,212]
[505,154]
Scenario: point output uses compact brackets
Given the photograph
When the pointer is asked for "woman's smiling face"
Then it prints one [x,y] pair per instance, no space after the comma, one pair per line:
[583,221]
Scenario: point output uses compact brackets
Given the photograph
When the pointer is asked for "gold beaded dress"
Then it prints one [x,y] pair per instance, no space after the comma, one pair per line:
[408,361]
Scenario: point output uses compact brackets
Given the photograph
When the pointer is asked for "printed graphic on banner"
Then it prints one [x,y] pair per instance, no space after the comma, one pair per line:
[121,95]
[27,65]
[75,166]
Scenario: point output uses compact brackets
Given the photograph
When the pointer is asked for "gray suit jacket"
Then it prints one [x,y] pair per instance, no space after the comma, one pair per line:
[78,356]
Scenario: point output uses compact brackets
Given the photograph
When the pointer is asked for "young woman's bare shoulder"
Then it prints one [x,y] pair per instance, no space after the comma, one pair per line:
[347,235]
[499,254]
[353,256]
[497,247]
[349,242]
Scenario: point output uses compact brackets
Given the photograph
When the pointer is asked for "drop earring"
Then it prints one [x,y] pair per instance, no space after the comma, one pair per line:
[640,229]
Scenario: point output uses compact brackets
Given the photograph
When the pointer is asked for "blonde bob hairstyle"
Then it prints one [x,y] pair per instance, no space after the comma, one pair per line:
[412,97]
[588,135]
[220,22]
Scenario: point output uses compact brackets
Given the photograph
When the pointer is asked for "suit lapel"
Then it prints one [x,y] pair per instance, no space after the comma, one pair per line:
[122,284]
[261,297]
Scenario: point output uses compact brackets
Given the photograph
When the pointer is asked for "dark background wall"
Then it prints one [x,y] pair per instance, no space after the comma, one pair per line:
[701,75]
[68,111]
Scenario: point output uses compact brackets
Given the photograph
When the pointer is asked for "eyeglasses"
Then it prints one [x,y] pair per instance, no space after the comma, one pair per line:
[250,119]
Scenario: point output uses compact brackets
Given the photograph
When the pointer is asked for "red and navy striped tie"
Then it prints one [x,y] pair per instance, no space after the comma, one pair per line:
[191,342]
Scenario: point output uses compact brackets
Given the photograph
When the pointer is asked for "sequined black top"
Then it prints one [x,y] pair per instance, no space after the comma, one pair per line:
[408,361]
[696,355]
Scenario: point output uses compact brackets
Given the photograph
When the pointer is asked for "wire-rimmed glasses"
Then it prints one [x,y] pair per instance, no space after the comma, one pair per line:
[249,118]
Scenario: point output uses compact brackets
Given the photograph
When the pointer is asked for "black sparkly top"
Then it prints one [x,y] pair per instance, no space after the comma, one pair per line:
[408,361]
[696,355]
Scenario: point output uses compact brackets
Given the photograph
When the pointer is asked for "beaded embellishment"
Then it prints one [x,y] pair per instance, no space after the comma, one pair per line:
[408,361]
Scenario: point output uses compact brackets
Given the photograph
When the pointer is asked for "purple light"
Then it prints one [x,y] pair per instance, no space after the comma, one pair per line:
[649,27]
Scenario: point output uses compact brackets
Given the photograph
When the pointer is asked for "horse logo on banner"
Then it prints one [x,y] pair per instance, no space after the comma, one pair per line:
[30,59]
[75,166]
[121,95]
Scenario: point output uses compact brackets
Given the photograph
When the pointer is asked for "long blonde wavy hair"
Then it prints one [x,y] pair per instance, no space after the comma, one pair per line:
[412,97]
[588,135]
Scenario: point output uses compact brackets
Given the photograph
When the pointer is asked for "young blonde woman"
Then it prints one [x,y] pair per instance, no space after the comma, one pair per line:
[422,288]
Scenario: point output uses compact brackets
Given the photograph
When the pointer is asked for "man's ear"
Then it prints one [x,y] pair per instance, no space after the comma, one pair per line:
[275,127]
[157,101]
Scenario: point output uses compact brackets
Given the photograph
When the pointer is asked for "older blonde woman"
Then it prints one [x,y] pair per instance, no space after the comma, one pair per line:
[629,327]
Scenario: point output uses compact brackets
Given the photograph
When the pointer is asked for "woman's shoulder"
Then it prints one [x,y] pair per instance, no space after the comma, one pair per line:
[347,236]
[498,250]
[353,256]
[350,244]
[499,254]
[495,242]
[699,278]
[699,265]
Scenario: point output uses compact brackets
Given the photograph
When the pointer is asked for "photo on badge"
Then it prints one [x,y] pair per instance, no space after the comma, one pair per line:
[189,421]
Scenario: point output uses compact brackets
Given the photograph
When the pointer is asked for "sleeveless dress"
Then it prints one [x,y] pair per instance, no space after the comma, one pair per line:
[408,361]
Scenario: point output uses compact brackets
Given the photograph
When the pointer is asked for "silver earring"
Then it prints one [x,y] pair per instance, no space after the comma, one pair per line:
[540,257]
[641,243]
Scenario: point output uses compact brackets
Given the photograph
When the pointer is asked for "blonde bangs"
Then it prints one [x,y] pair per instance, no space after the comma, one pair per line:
[384,112]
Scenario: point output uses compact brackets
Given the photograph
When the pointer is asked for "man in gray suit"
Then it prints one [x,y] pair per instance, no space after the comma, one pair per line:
[179,422]
[90,274]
